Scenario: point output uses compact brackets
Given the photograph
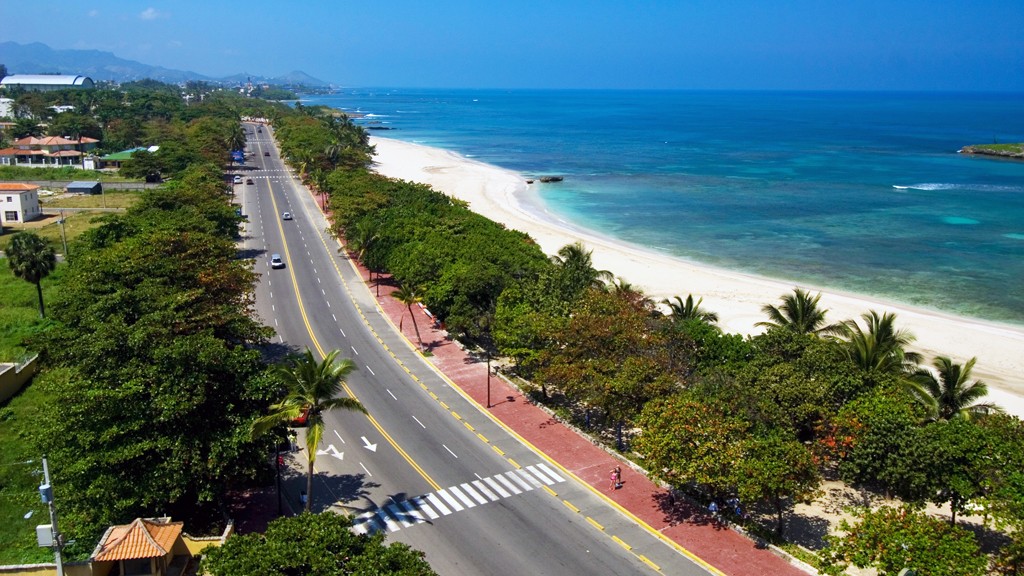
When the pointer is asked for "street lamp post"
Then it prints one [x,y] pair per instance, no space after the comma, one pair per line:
[488,379]
[46,493]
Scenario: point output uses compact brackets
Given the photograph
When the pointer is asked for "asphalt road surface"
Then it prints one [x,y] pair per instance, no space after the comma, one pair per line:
[428,467]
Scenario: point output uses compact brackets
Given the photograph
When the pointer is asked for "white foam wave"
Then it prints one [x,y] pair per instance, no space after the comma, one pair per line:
[933,186]
[372,115]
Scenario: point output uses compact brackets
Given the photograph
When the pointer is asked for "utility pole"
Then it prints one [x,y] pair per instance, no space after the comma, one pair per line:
[46,492]
[63,235]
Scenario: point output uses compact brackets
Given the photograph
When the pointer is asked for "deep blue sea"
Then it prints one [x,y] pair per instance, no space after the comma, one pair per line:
[861,192]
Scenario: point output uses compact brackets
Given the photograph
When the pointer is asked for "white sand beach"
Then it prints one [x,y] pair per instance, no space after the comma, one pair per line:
[505,197]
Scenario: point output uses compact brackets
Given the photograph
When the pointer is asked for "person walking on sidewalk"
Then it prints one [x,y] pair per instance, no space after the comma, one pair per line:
[618,477]
[613,480]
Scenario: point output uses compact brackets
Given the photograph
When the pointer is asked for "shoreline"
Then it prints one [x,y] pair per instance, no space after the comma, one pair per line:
[504,196]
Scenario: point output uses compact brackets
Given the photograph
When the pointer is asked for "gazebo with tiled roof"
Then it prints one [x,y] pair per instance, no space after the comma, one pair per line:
[147,546]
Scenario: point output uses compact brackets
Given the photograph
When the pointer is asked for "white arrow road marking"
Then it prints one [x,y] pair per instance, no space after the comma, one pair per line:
[332,451]
[368,446]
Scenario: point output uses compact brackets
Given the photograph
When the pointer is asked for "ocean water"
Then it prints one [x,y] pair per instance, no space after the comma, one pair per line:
[861,192]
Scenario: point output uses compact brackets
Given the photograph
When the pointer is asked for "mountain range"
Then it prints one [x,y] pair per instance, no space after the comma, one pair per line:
[38,58]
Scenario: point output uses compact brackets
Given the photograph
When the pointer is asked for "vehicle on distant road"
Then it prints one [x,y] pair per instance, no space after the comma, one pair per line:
[248,181]
[238,180]
[276,261]
[266,153]
[286,216]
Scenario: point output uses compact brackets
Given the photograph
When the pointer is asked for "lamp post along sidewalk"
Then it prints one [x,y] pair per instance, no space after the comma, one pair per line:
[48,536]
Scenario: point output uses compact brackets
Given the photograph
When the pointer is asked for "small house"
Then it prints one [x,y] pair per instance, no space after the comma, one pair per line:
[19,202]
[84,187]
[146,547]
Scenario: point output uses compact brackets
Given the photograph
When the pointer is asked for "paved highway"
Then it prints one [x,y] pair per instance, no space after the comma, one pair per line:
[428,466]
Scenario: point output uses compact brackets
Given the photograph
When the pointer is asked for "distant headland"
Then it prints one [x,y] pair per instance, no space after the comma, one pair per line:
[1015,151]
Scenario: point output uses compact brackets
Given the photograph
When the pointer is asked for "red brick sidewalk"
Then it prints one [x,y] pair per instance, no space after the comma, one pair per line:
[680,522]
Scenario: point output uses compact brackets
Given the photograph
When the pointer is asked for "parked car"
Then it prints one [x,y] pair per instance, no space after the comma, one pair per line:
[276,261]
[238,179]
[286,216]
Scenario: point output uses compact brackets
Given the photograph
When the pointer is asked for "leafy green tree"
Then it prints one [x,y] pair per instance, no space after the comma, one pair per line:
[948,463]
[608,355]
[868,437]
[409,296]
[74,126]
[778,470]
[25,126]
[31,259]
[891,539]
[950,393]
[798,312]
[156,373]
[689,310]
[686,441]
[879,347]
[312,388]
[312,545]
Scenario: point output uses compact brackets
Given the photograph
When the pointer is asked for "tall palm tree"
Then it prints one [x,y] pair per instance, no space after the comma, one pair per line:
[949,393]
[363,235]
[408,295]
[799,312]
[879,346]
[31,259]
[689,310]
[312,388]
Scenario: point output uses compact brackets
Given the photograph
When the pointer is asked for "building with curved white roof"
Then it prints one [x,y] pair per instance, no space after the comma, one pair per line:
[46,81]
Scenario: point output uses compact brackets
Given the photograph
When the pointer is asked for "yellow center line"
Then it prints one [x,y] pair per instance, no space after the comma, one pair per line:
[320,350]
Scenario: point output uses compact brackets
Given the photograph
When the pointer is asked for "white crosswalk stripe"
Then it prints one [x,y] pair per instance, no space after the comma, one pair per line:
[438,504]
[476,495]
[428,507]
[458,494]
[533,470]
[450,500]
[522,483]
[480,486]
[515,489]
[493,484]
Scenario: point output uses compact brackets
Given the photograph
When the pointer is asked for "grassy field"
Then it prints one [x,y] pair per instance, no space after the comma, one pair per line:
[19,311]
[48,228]
[66,173]
[109,199]
[19,478]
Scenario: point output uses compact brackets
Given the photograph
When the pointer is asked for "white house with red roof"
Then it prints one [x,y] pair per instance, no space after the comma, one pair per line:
[19,202]
[48,151]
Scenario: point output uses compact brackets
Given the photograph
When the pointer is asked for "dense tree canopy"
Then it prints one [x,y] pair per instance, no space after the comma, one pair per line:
[313,545]
[155,382]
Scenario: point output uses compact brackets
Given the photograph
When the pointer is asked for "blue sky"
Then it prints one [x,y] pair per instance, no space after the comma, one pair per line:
[682,44]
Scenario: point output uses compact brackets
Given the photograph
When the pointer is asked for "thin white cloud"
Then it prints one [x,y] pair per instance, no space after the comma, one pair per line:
[151,14]
[175,44]
[93,13]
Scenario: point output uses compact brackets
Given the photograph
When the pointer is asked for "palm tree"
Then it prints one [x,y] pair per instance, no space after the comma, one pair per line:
[684,311]
[408,295]
[577,269]
[949,394]
[880,346]
[364,234]
[312,388]
[31,259]
[799,312]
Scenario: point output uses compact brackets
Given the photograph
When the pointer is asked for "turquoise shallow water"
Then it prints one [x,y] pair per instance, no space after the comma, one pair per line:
[862,192]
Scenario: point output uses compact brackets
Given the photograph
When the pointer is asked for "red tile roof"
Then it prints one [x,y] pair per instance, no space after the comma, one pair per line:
[50,141]
[17,187]
[143,538]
